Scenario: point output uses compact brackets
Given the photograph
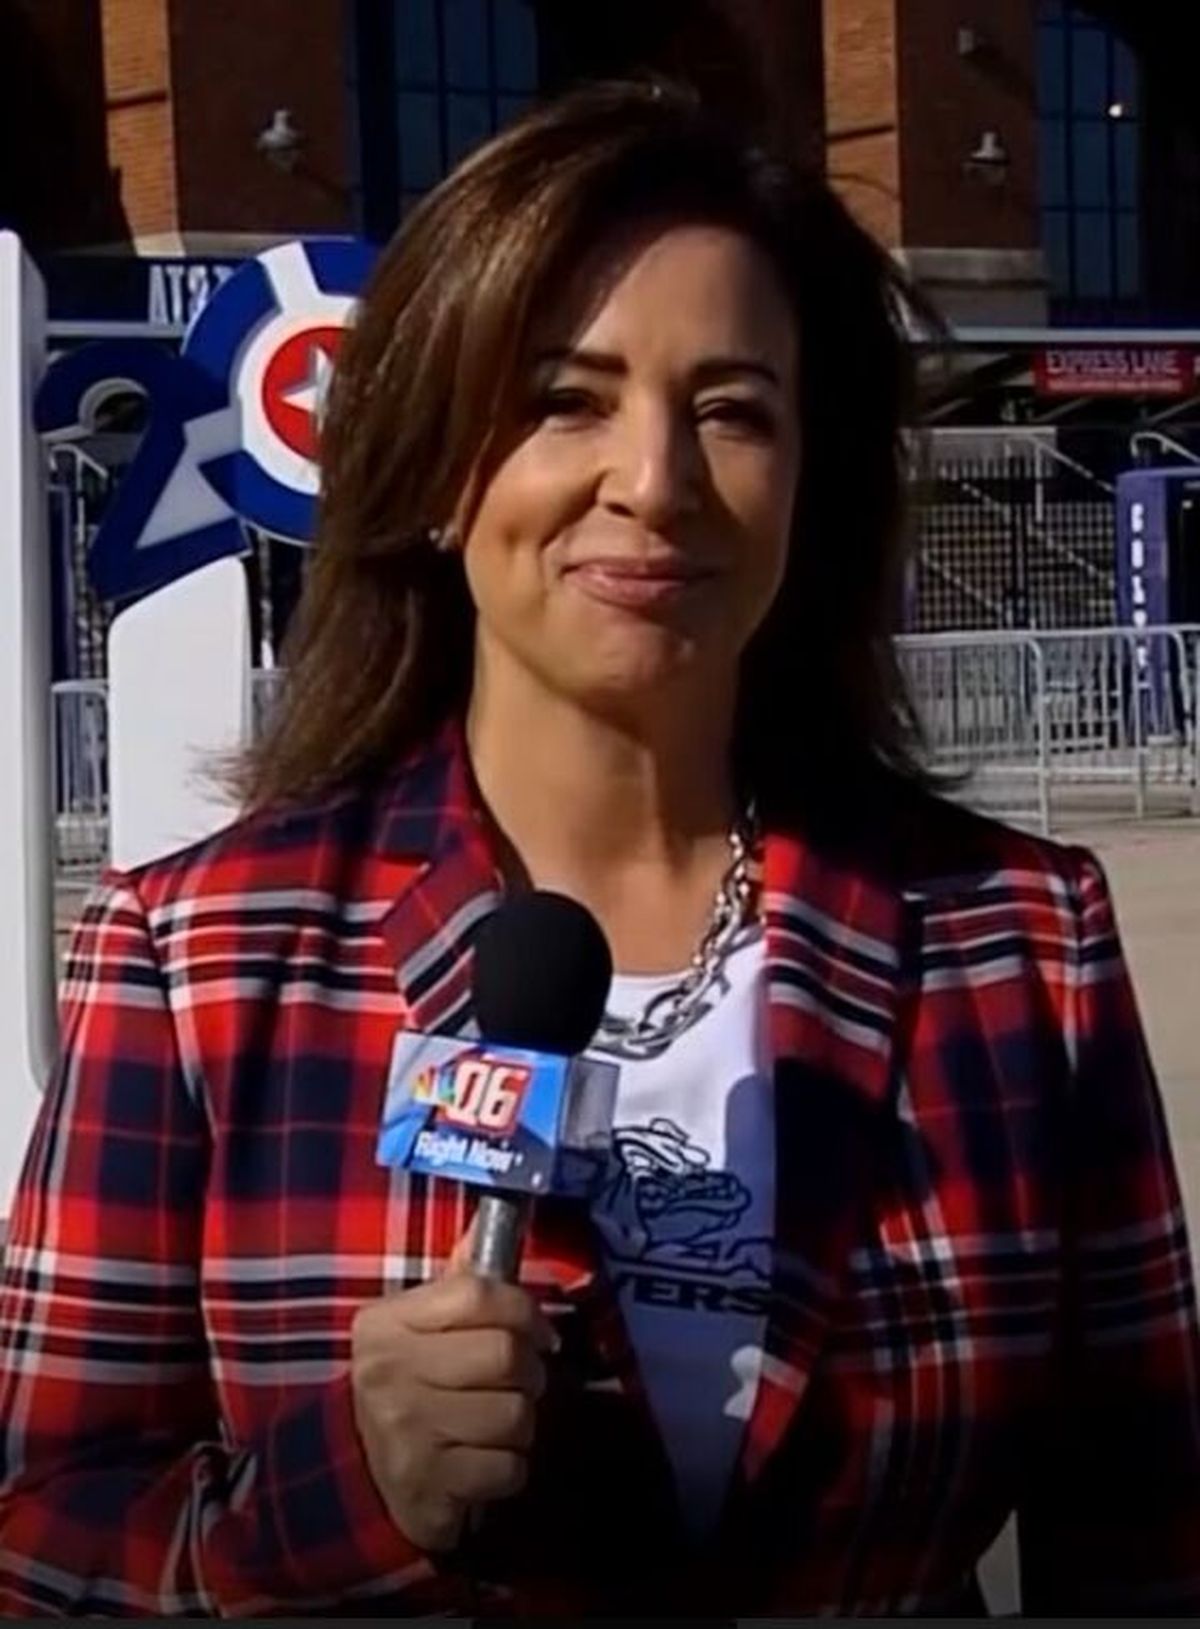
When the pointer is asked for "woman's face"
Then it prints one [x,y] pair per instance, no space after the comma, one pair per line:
[635,530]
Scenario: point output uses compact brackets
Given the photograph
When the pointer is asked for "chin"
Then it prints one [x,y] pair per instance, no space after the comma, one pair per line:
[633,684]
[638,665]
[632,650]
[634,689]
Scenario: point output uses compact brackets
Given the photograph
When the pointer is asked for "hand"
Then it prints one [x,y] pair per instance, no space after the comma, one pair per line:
[446,1379]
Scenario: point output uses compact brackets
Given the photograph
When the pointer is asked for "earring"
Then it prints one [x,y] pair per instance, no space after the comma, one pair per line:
[444,538]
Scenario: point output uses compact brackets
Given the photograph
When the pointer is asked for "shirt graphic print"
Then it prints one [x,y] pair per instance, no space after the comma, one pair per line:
[685,1212]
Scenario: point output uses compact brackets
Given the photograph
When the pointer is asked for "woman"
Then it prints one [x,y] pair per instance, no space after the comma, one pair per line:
[889,1243]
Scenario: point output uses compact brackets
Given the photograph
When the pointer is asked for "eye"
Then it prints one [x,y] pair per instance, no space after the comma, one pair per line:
[567,404]
[738,413]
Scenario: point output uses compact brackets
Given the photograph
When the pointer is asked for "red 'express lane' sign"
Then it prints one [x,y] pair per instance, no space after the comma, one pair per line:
[1115,370]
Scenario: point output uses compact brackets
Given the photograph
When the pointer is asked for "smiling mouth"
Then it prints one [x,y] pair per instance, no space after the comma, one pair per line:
[636,584]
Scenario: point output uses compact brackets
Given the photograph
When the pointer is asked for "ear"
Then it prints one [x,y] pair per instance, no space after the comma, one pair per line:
[445,539]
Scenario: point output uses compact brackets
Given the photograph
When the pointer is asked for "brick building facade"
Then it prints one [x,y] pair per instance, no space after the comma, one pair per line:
[167,98]
[157,103]
[975,137]
[1035,163]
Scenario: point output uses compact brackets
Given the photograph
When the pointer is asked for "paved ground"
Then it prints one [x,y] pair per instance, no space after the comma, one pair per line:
[1154,870]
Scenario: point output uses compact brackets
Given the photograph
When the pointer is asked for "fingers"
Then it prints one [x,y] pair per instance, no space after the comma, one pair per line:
[477,1475]
[447,1378]
[486,1419]
[477,1360]
[465,1301]
[460,1256]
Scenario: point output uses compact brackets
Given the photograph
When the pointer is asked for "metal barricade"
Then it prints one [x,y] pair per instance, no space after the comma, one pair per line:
[78,488]
[1196,727]
[79,770]
[981,699]
[265,685]
[1050,723]
[1039,725]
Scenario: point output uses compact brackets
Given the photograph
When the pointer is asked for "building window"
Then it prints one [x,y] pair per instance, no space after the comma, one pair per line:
[462,69]
[1089,137]
[430,80]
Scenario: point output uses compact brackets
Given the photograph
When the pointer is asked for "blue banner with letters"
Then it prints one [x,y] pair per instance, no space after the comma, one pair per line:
[167,291]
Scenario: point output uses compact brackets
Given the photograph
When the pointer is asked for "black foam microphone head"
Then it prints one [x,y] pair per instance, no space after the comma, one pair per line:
[542,974]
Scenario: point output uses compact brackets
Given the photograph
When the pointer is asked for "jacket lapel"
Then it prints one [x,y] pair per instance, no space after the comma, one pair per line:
[432,816]
[834,965]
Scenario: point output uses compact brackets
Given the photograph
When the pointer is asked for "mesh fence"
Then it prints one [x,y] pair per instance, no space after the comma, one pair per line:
[1004,542]
[77,494]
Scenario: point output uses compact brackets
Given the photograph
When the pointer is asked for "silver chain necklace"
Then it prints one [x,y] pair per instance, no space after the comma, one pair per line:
[670,1012]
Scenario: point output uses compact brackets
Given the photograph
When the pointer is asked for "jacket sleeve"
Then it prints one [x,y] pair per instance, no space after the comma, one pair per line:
[1111,1523]
[119,1493]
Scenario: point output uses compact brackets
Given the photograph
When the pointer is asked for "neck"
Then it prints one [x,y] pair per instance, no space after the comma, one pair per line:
[632,818]
[555,776]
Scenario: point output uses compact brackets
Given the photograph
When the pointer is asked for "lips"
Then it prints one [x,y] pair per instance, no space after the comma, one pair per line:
[636,583]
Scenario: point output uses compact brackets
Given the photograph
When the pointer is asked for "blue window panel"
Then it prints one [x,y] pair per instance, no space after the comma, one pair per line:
[1125,76]
[1051,70]
[1089,71]
[421,162]
[1056,242]
[512,107]
[1090,164]
[416,42]
[468,122]
[1052,163]
[1129,254]
[1127,151]
[516,45]
[1093,255]
[465,22]
[351,45]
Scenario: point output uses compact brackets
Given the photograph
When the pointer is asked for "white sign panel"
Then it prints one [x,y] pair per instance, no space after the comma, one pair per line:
[27,994]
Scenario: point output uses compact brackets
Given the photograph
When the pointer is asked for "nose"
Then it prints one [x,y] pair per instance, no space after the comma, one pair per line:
[652,473]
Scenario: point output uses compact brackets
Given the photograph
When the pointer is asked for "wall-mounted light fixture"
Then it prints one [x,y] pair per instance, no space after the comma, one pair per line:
[280,141]
[988,161]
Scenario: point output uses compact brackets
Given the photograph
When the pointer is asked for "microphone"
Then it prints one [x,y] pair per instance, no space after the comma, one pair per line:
[517,1112]
[541,979]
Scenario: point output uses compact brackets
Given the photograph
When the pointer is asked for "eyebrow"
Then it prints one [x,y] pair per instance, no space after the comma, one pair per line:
[707,371]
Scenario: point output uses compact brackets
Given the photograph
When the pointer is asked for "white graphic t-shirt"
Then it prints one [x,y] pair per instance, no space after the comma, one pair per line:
[686,1213]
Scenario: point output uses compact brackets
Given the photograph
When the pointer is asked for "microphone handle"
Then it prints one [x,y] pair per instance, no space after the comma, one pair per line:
[499,1235]
[500,1220]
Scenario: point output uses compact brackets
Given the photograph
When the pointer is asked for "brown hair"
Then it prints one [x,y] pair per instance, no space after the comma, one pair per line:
[380,650]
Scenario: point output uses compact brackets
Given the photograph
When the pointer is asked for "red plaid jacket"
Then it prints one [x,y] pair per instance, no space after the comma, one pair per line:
[982,1298]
